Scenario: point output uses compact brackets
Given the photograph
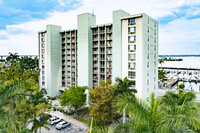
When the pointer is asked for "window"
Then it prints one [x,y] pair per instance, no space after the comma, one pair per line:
[148,21]
[148,47]
[42,61]
[42,45]
[42,50]
[148,29]
[154,24]
[43,78]
[154,64]
[132,29]
[148,39]
[43,73]
[43,56]
[131,65]
[42,34]
[154,78]
[147,82]
[132,38]
[147,90]
[42,39]
[154,56]
[42,66]
[131,48]
[131,57]
[155,40]
[154,71]
[154,48]
[132,20]
[43,83]
[155,32]
[147,73]
[148,56]
[147,64]
[131,74]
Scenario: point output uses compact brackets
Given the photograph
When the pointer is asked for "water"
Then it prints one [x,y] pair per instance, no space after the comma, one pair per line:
[188,62]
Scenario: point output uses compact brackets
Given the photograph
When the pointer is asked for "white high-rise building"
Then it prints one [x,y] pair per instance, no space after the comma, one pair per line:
[128,47]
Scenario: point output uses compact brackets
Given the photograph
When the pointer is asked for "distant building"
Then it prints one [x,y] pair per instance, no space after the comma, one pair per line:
[128,47]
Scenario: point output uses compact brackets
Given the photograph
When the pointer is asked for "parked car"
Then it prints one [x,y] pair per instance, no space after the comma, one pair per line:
[54,120]
[63,124]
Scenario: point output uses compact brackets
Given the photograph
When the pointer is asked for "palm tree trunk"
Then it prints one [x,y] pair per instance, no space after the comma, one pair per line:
[124,115]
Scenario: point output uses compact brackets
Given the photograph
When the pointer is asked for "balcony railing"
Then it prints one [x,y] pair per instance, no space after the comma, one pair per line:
[109,45]
[109,52]
[95,52]
[95,58]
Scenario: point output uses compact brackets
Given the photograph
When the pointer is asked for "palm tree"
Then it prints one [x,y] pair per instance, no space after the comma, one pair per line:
[145,116]
[160,61]
[12,58]
[123,87]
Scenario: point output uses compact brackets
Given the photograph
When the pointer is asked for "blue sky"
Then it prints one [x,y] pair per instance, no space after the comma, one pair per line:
[19,11]
[179,30]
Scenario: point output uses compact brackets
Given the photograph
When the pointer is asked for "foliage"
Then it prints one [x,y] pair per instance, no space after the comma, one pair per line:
[74,96]
[182,86]
[170,113]
[169,59]
[162,75]
[123,86]
[102,106]
[15,83]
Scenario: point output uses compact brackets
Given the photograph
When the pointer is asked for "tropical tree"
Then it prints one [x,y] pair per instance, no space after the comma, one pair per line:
[102,106]
[74,96]
[181,112]
[162,75]
[161,61]
[12,58]
[123,87]
[145,116]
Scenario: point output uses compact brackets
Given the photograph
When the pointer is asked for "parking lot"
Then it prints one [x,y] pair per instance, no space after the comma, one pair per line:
[70,129]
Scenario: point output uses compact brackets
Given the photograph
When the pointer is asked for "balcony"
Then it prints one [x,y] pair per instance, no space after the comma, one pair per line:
[95,45]
[73,41]
[131,41]
[95,52]
[102,52]
[109,38]
[95,78]
[95,39]
[95,71]
[131,32]
[109,52]
[109,66]
[109,58]
[95,65]
[102,31]
[102,66]
[95,58]
[102,45]
[95,32]
[109,45]
[102,38]
[102,72]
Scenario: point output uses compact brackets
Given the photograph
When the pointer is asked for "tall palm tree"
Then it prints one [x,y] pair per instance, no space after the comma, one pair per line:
[123,87]
[144,116]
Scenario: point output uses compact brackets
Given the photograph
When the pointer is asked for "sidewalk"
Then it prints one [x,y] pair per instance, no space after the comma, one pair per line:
[70,119]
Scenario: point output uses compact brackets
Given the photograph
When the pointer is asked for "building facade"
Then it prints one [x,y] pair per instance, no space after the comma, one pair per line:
[128,47]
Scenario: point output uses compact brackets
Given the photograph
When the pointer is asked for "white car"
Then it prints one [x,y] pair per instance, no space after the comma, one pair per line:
[63,124]
[54,120]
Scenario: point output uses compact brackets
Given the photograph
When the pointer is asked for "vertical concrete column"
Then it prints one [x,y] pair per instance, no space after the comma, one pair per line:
[85,21]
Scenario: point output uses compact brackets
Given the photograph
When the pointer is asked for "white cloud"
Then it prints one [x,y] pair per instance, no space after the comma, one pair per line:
[169,34]
[180,36]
